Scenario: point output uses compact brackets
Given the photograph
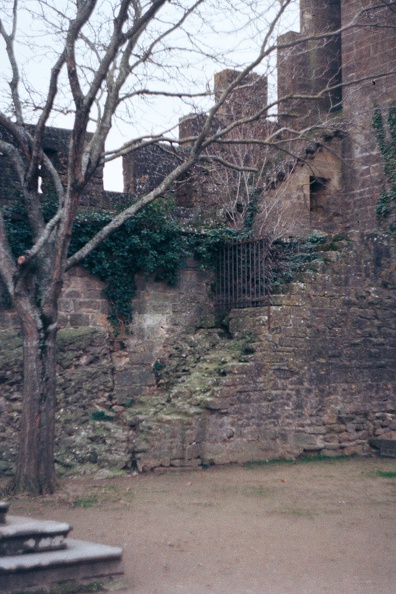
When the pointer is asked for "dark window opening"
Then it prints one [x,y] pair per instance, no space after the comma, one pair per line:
[317,194]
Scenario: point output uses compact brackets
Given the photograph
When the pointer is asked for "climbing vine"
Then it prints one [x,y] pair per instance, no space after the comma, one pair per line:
[152,243]
[386,139]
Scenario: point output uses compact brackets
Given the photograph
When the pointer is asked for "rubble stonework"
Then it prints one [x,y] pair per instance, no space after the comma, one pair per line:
[313,373]
[186,389]
[317,377]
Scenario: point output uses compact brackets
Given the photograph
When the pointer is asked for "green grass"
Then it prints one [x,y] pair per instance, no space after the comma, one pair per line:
[66,588]
[301,459]
[296,511]
[387,473]
[85,502]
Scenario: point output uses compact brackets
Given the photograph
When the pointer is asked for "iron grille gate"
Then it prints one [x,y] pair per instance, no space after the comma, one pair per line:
[243,274]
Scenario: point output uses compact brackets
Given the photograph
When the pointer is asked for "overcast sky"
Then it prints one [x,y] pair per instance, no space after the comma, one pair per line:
[232,34]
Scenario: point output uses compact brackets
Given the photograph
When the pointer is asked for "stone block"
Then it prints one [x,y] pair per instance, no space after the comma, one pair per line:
[20,535]
[76,320]
[80,560]
[306,441]
[386,447]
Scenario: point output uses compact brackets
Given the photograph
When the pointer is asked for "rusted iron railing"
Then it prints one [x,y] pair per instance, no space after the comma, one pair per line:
[243,274]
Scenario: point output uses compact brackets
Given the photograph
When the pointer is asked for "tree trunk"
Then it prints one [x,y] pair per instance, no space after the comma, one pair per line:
[35,471]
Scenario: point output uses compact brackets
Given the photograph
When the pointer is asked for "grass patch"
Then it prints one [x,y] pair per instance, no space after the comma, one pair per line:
[251,464]
[323,458]
[301,459]
[255,491]
[85,502]
[66,588]
[297,512]
[387,474]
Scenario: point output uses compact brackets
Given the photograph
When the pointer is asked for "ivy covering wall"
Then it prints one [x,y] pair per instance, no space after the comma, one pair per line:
[385,132]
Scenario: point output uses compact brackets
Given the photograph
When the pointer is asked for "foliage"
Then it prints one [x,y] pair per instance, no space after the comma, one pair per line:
[205,246]
[387,474]
[100,415]
[386,140]
[152,242]
[288,257]
[251,211]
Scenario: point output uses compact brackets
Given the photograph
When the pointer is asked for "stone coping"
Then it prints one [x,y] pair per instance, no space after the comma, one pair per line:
[18,526]
[77,552]
[19,535]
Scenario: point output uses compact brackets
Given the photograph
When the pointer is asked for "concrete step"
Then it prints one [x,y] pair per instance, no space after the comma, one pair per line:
[20,535]
[80,560]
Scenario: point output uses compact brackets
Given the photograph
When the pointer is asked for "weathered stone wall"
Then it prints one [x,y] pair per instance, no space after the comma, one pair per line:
[145,168]
[315,373]
[88,436]
[368,51]
[312,66]
[363,58]
[56,146]
[162,314]
[81,303]
[100,376]
[305,194]
[318,377]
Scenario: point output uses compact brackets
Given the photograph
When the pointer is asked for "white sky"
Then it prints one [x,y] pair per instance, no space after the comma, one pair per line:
[227,33]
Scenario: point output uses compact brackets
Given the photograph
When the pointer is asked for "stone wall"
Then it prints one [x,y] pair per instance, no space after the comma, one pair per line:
[305,194]
[368,52]
[56,146]
[87,436]
[314,373]
[312,66]
[81,303]
[317,377]
[101,376]
[363,59]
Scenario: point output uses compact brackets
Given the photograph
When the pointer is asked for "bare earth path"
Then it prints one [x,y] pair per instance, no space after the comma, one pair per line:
[306,528]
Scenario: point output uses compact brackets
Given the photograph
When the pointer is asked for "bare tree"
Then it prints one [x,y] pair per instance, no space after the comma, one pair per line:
[105,56]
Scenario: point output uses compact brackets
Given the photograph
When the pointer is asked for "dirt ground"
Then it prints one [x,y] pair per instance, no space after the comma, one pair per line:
[306,528]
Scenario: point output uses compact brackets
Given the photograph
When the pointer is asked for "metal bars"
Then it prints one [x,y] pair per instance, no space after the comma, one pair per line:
[242,274]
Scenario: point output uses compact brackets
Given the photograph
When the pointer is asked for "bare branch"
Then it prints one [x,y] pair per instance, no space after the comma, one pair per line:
[14,83]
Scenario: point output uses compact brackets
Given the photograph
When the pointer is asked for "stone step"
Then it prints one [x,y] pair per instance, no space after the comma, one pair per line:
[79,561]
[20,535]
[386,447]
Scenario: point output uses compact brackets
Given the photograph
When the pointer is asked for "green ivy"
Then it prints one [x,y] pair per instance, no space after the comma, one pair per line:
[152,242]
[386,141]
[288,257]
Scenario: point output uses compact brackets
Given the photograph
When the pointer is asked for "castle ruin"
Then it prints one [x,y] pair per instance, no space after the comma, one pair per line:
[312,373]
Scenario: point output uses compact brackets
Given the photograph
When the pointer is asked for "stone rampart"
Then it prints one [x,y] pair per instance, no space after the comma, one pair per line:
[317,376]
[314,373]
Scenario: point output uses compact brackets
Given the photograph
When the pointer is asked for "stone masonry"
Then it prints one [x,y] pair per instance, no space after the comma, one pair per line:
[315,377]
[314,373]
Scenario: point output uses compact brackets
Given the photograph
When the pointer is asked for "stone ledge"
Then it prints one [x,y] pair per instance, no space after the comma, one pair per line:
[19,535]
[80,560]
[386,447]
